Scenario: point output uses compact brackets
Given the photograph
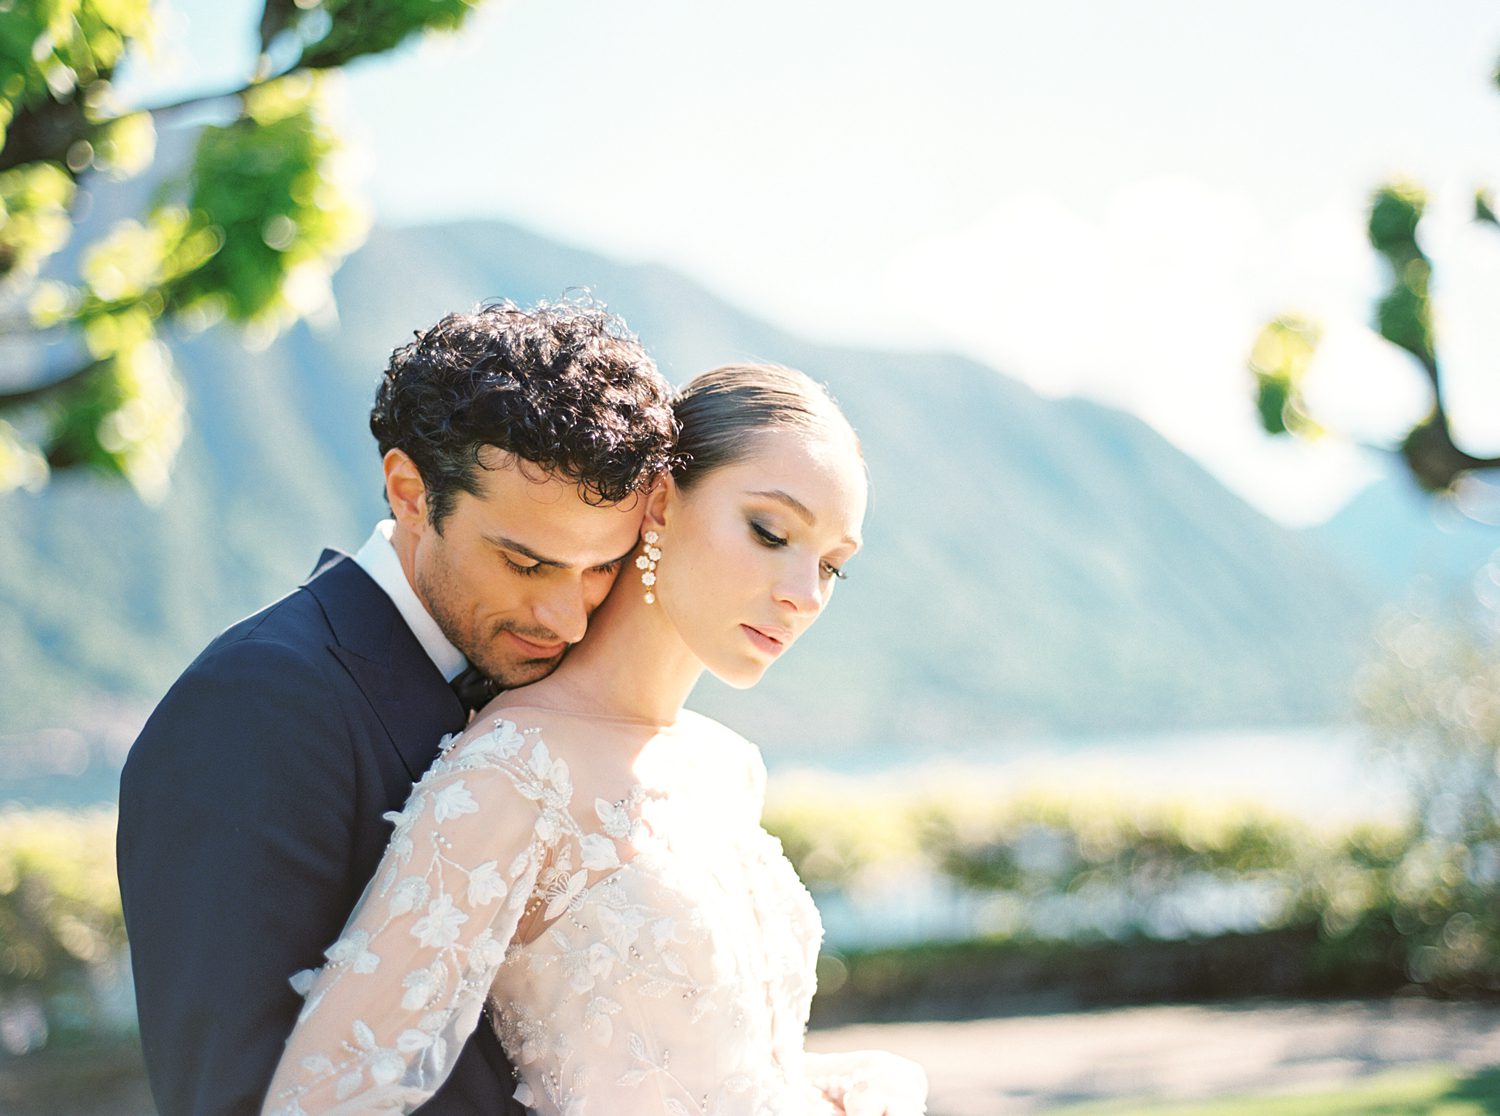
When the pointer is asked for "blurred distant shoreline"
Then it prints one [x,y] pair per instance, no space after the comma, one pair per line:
[1318,773]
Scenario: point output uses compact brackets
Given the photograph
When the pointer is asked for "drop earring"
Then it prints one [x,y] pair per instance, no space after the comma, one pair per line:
[646,563]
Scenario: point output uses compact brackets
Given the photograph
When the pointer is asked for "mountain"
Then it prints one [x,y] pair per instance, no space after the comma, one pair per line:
[1032,566]
[1399,539]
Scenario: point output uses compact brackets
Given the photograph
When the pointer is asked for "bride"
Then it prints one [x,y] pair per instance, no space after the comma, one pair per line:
[587,857]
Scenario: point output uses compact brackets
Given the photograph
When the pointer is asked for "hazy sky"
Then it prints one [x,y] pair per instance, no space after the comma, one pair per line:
[1098,198]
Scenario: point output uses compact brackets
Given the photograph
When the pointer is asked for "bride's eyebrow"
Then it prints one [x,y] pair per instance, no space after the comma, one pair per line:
[790,501]
[799,507]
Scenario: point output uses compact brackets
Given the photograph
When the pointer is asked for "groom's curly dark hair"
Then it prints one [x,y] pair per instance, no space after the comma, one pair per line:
[564,386]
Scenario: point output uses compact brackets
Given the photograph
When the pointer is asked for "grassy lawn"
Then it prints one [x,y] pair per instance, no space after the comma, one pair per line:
[1427,1092]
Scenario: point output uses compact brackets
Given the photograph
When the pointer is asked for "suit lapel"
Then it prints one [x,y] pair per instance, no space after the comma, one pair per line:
[408,694]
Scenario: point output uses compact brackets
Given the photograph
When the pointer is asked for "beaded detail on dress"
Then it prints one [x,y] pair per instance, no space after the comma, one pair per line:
[650,954]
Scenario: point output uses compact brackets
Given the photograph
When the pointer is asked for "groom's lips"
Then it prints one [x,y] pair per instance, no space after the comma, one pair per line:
[538,650]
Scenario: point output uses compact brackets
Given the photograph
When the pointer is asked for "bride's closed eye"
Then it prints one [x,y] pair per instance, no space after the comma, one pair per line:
[769,538]
[766,535]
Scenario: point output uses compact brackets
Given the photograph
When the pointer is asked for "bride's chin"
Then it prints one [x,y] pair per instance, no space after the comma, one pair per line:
[739,676]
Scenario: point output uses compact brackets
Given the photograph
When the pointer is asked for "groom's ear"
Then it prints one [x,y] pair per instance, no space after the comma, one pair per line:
[663,491]
[404,489]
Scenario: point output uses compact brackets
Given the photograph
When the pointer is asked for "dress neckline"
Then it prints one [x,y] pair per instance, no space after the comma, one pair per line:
[644,722]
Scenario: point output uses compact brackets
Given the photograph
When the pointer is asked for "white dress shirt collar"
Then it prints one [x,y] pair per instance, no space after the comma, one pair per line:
[378,559]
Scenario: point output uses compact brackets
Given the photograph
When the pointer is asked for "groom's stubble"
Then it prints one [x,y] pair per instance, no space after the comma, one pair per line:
[482,645]
[514,570]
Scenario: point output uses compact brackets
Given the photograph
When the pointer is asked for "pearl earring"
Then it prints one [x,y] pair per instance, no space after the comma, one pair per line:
[646,563]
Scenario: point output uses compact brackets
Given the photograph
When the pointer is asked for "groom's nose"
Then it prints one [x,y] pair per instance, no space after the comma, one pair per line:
[565,612]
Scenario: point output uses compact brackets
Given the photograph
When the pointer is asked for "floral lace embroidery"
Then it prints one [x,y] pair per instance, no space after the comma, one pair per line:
[657,959]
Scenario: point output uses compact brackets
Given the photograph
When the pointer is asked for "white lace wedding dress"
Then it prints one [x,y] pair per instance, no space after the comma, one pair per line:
[644,943]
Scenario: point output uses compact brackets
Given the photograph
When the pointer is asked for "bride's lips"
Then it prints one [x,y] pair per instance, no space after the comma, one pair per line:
[537,650]
[773,641]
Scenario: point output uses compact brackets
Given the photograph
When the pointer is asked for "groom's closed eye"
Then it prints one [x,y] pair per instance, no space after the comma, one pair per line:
[614,564]
[522,568]
[526,562]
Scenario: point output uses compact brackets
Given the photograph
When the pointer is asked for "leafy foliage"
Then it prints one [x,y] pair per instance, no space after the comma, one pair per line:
[1404,314]
[1415,904]
[1434,698]
[1279,362]
[1419,902]
[265,202]
[59,903]
[249,233]
[1285,348]
[359,27]
[34,200]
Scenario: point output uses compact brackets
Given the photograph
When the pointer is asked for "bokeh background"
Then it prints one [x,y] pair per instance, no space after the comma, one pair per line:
[1169,672]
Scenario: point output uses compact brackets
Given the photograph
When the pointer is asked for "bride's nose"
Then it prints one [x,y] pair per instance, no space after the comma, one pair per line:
[800,587]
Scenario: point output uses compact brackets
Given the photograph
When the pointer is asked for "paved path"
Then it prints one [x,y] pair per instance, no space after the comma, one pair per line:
[1026,1064]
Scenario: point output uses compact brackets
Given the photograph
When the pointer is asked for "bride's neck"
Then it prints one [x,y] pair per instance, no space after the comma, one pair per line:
[633,663]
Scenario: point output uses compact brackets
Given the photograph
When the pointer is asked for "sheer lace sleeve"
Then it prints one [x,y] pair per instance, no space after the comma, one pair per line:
[404,985]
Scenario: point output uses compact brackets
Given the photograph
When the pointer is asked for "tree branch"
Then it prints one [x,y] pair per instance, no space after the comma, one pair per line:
[1433,457]
[9,399]
[46,131]
[172,107]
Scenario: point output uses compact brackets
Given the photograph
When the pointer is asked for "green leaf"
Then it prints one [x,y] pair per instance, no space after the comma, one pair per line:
[34,219]
[125,147]
[1484,209]
[1279,361]
[360,27]
[267,190]
[1404,318]
[1404,315]
[125,418]
[1394,214]
[51,48]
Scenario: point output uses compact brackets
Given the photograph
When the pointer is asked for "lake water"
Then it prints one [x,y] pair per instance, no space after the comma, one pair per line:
[1331,774]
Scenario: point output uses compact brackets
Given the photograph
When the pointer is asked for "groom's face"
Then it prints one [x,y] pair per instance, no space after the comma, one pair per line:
[511,574]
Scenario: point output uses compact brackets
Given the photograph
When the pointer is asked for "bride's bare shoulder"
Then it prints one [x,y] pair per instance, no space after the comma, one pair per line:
[705,727]
[738,752]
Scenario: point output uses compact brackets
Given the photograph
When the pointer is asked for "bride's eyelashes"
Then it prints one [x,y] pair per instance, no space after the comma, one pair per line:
[767,537]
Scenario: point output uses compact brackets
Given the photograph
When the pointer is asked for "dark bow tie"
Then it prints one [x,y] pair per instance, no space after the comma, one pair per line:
[474,690]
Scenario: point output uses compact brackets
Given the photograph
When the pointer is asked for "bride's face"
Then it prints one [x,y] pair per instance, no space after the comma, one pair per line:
[751,552]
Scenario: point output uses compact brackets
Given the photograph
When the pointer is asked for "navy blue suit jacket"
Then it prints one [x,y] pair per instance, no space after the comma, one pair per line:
[250,823]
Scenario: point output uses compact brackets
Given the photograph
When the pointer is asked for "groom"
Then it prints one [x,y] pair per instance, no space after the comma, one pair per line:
[515,442]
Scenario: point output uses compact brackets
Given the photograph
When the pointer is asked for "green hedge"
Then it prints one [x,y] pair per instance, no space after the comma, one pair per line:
[1383,905]
[1361,910]
[61,930]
